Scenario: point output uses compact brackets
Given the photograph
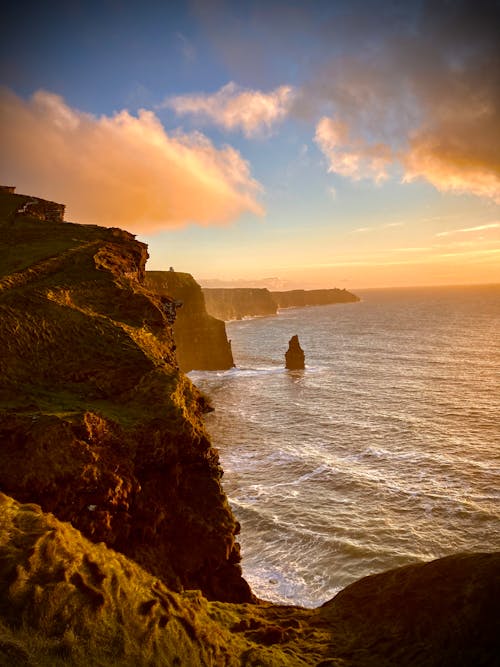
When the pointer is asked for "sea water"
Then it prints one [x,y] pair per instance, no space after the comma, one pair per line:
[384,451]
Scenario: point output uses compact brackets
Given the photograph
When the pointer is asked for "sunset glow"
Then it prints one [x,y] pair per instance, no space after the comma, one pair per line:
[296,144]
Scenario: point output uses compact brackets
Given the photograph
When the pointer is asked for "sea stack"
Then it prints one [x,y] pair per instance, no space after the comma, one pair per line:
[294,356]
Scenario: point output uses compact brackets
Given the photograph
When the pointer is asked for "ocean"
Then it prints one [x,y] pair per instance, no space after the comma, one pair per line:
[384,451]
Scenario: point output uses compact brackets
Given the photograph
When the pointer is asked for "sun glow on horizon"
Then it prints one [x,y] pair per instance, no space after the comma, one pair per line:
[315,143]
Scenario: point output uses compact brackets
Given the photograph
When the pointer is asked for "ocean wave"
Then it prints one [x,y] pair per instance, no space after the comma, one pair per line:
[380,452]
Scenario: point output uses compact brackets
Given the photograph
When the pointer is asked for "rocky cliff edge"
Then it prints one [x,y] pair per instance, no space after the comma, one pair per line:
[97,423]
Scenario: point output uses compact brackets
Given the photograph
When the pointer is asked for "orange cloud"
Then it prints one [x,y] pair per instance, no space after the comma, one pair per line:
[233,107]
[351,157]
[120,170]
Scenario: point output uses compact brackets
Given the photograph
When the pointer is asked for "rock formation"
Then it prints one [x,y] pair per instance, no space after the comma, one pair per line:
[294,356]
[97,423]
[201,339]
[239,302]
[315,297]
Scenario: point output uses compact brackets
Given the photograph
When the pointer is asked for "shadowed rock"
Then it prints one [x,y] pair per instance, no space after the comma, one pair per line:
[294,356]
[201,339]
[235,303]
[299,298]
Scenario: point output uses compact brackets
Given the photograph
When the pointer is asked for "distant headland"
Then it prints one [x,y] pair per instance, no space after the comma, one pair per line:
[235,303]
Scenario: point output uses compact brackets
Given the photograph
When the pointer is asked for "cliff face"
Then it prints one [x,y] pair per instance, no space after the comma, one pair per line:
[200,338]
[315,297]
[37,208]
[239,302]
[97,423]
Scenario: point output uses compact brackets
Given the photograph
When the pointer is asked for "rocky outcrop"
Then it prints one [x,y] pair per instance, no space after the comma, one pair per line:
[315,297]
[294,356]
[97,423]
[239,302]
[201,339]
[66,601]
[438,613]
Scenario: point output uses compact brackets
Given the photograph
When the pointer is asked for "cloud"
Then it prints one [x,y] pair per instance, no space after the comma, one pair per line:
[332,192]
[421,78]
[438,157]
[187,48]
[236,108]
[423,81]
[351,157]
[465,230]
[121,170]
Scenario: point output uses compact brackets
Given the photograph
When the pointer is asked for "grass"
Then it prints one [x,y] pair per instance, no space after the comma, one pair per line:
[66,601]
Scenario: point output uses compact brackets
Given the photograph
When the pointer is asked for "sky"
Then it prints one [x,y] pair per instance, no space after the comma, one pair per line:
[321,143]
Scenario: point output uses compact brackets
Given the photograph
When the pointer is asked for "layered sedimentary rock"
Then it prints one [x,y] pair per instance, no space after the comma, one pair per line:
[97,423]
[66,601]
[200,338]
[239,302]
[294,356]
[315,297]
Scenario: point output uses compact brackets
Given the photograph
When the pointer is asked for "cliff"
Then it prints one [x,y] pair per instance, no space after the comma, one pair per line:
[315,297]
[200,338]
[65,601]
[239,302]
[97,423]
